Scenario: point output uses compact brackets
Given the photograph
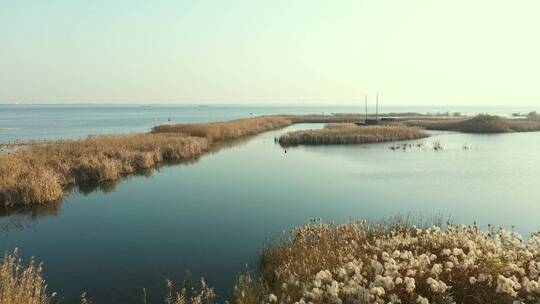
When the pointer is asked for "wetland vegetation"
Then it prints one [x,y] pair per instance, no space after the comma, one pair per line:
[360,263]
[348,133]
[42,172]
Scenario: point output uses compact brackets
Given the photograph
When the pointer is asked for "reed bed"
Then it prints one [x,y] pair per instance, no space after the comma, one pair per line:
[361,263]
[479,124]
[347,134]
[42,173]
[228,130]
[20,284]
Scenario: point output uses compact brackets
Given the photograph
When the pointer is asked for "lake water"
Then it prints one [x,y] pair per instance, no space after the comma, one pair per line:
[45,122]
[213,216]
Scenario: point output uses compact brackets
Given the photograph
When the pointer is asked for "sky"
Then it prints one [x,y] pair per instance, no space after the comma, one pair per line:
[414,52]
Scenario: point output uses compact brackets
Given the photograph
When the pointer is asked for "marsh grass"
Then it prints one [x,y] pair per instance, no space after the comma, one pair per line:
[21,284]
[346,134]
[43,173]
[398,262]
[479,124]
[533,116]
[228,130]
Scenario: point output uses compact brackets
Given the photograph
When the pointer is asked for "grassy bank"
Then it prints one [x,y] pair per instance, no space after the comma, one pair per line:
[479,124]
[42,173]
[344,134]
[358,263]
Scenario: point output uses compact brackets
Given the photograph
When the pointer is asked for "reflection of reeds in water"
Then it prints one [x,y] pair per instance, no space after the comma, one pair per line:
[24,284]
[42,173]
[21,216]
[345,134]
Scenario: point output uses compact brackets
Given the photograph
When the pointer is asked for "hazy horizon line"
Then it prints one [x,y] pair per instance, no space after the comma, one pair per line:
[359,104]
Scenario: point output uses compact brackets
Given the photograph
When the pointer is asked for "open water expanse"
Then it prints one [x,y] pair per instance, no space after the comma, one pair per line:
[213,216]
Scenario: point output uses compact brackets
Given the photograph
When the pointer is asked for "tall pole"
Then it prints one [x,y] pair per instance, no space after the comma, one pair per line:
[365,102]
[377,107]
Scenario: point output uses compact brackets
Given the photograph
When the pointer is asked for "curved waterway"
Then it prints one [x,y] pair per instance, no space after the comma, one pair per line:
[213,216]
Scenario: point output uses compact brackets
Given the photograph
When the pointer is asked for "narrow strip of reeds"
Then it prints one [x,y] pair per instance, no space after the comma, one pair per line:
[348,134]
[479,124]
[42,172]
[227,130]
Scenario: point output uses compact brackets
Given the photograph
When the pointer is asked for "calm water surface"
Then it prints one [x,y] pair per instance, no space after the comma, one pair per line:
[212,217]
[45,122]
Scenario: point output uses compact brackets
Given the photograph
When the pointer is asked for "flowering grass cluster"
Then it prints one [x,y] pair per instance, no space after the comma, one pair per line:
[346,134]
[358,263]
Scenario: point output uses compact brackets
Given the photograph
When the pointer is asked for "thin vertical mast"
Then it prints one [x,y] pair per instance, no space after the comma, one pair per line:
[365,102]
[377,107]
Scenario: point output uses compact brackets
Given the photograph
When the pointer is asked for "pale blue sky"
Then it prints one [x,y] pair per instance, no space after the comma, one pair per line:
[416,52]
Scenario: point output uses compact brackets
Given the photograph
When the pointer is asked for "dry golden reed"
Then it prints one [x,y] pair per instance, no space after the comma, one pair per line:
[19,284]
[42,172]
[345,134]
[479,124]
[227,130]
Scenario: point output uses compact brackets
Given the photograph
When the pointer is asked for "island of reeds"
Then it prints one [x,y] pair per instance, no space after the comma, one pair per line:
[480,124]
[359,263]
[348,133]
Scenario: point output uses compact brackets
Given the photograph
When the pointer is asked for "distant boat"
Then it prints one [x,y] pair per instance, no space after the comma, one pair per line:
[203,106]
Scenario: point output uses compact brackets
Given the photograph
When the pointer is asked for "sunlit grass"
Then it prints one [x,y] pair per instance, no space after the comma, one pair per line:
[399,263]
[42,172]
[345,134]
[21,284]
[227,130]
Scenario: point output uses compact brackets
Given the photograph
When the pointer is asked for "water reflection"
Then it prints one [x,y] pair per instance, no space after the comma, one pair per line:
[215,216]
[21,217]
